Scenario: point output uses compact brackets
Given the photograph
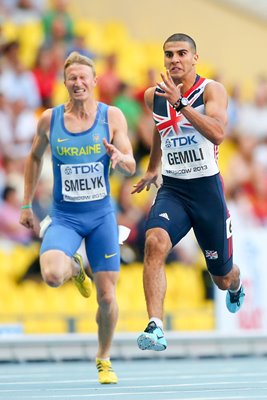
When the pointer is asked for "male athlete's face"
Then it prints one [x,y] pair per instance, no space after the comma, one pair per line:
[79,81]
[179,59]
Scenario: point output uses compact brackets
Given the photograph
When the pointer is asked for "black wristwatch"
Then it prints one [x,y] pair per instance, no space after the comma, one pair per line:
[181,103]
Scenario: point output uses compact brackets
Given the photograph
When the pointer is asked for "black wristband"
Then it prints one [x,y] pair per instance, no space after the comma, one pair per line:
[183,102]
[176,104]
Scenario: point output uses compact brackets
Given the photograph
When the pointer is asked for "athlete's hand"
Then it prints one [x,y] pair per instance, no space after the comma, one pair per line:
[172,92]
[115,155]
[146,182]
[26,218]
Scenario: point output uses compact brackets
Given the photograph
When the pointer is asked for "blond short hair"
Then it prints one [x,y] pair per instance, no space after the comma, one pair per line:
[77,58]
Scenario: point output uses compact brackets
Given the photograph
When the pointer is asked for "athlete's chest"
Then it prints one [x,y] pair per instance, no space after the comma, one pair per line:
[171,123]
[75,125]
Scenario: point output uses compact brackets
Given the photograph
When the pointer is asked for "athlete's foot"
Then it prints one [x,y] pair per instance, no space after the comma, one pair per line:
[106,373]
[234,301]
[82,280]
[152,338]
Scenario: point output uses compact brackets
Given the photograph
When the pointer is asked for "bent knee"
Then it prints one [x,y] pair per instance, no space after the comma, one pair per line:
[53,268]
[223,282]
[227,281]
[51,278]
[157,242]
[106,300]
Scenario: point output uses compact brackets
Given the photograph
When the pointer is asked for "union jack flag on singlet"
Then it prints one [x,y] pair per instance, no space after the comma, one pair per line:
[169,122]
[166,118]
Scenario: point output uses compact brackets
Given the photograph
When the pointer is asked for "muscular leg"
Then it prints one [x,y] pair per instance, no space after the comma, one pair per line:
[231,281]
[107,313]
[157,246]
[57,267]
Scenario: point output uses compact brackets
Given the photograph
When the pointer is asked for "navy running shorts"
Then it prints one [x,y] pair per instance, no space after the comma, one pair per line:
[199,204]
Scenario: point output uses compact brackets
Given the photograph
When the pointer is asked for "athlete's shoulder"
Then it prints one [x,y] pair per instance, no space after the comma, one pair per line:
[115,112]
[44,123]
[45,117]
[116,118]
[215,87]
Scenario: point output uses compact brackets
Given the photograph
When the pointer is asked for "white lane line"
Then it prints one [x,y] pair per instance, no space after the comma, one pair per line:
[215,386]
[68,381]
[133,378]
[127,394]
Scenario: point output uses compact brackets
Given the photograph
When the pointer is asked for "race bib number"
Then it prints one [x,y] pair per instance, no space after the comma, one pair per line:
[83,182]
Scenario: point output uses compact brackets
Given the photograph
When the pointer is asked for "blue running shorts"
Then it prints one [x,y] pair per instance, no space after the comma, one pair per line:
[99,231]
[199,204]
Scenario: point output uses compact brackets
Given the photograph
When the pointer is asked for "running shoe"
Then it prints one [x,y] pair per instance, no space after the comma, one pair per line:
[234,301]
[106,374]
[82,280]
[152,338]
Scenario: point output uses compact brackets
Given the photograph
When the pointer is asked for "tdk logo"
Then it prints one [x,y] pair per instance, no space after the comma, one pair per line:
[68,171]
[182,141]
[85,169]
[168,143]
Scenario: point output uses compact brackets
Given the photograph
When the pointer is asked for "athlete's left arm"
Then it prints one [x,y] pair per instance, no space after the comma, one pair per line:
[213,123]
[120,148]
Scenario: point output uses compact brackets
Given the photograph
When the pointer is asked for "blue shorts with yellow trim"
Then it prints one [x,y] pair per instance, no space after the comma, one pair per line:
[100,234]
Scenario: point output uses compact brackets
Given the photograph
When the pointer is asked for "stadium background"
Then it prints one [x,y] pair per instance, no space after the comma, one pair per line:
[228,38]
[231,47]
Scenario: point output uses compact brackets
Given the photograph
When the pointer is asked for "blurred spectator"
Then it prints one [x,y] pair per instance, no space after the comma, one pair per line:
[41,204]
[45,74]
[9,217]
[130,107]
[24,125]
[144,134]
[42,199]
[25,12]
[79,44]
[58,57]
[150,81]
[252,117]
[128,212]
[145,125]
[16,82]
[18,125]
[2,35]
[6,125]
[109,82]
[246,184]
[240,165]
[256,191]
[9,6]
[234,104]
[10,52]
[241,210]
[58,23]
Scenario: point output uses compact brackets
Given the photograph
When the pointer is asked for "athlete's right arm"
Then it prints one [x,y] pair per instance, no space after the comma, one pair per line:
[151,174]
[33,166]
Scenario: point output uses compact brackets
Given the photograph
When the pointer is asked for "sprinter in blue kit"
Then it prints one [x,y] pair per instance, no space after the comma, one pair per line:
[190,115]
[85,137]
[80,192]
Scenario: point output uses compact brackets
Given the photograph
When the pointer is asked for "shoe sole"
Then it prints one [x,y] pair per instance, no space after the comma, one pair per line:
[108,382]
[85,292]
[146,342]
